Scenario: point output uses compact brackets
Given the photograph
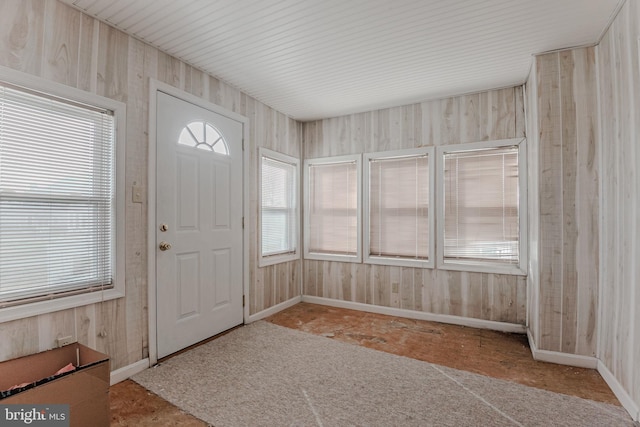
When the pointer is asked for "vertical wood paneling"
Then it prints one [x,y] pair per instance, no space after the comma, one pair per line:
[61,43]
[496,114]
[586,209]
[551,225]
[533,281]
[22,27]
[87,54]
[19,338]
[568,205]
[113,55]
[169,70]
[55,325]
[564,202]
[619,84]
[469,119]
[85,325]
[50,40]
[136,213]
[521,301]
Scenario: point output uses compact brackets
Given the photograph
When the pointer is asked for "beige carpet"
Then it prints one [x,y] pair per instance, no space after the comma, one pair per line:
[268,375]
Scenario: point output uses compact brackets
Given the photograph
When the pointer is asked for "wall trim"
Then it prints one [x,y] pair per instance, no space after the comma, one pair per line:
[617,388]
[559,358]
[274,309]
[611,19]
[419,315]
[128,371]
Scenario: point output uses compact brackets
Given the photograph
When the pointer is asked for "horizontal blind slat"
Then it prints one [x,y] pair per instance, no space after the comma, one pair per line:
[399,207]
[278,209]
[56,195]
[482,205]
[333,208]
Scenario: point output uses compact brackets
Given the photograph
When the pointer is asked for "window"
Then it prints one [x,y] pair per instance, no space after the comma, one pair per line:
[398,224]
[57,198]
[483,206]
[203,136]
[279,229]
[332,209]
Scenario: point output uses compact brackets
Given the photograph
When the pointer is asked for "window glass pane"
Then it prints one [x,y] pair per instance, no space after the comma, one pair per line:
[278,207]
[333,208]
[56,196]
[398,207]
[203,136]
[482,205]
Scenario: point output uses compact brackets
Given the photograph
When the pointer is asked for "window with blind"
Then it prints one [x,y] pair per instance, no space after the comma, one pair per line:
[333,200]
[482,204]
[279,228]
[398,224]
[57,196]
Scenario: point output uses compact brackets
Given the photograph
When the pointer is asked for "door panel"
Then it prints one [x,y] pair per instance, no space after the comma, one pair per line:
[187,195]
[221,185]
[221,274]
[188,266]
[199,199]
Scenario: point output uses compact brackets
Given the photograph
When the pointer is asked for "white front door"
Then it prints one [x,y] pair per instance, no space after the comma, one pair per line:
[198,223]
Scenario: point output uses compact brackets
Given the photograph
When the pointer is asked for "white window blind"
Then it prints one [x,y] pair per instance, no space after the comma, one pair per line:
[56,197]
[333,208]
[399,207]
[279,210]
[481,205]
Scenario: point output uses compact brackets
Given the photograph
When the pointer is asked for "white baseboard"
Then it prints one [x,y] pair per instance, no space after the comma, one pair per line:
[273,310]
[122,374]
[419,315]
[559,358]
[617,389]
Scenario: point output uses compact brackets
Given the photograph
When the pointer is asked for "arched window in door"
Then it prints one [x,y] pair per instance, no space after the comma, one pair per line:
[203,136]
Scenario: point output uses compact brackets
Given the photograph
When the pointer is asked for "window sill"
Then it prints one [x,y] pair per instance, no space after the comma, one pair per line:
[44,307]
[277,259]
[482,267]
[401,262]
[332,257]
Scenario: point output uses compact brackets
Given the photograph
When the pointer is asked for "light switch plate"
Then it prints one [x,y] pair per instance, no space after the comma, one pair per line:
[138,196]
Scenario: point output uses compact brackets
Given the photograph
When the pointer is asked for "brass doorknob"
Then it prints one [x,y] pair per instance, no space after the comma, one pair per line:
[164,246]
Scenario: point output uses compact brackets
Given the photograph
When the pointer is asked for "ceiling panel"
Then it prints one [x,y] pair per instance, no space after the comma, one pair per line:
[313,59]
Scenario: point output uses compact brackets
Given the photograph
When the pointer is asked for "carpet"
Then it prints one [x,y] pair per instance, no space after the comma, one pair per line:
[267,375]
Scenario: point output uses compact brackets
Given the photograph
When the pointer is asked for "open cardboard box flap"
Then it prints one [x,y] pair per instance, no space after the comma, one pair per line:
[85,389]
[39,368]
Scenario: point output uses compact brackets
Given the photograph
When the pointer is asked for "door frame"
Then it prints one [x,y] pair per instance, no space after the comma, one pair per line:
[156,86]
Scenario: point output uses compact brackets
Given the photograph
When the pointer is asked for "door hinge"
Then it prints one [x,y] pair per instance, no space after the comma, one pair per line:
[243,300]
[242,222]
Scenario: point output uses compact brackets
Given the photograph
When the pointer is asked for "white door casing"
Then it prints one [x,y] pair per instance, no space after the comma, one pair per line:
[199,198]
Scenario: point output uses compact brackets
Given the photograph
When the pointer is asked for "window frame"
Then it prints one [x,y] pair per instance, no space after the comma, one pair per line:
[519,269]
[352,158]
[265,260]
[52,89]
[399,261]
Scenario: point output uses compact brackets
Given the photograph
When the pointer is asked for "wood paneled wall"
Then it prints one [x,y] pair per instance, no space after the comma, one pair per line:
[533,196]
[619,83]
[51,40]
[497,114]
[564,173]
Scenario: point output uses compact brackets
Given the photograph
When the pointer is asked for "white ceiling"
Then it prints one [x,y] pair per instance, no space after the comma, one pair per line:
[314,59]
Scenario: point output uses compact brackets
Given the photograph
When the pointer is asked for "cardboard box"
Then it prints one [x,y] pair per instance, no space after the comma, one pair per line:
[85,390]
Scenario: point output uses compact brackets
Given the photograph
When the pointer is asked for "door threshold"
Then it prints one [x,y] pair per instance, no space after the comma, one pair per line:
[198,344]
